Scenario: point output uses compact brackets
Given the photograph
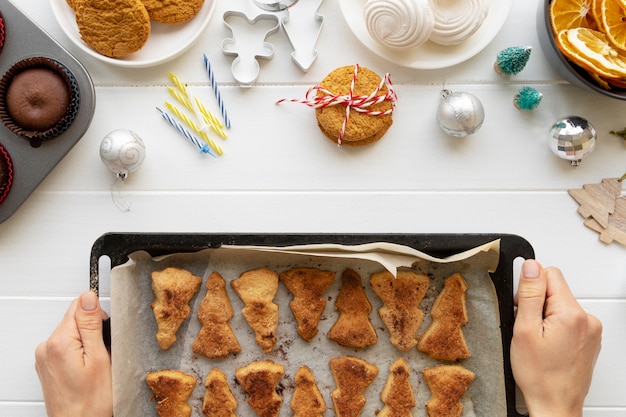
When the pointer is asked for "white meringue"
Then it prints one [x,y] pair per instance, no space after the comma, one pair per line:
[399,24]
[456,20]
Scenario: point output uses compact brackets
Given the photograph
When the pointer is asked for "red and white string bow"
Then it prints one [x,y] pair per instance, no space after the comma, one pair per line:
[358,103]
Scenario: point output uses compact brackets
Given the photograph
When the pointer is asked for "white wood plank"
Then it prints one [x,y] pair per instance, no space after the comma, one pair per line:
[23,409]
[279,147]
[549,221]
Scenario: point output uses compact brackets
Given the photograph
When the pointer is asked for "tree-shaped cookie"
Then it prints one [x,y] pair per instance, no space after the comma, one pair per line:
[401,296]
[173,289]
[259,379]
[171,389]
[397,395]
[307,286]
[353,327]
[219,400]
[307,401]
[447,383]
[257,289]
[352,376]
[216,338]
[444,339]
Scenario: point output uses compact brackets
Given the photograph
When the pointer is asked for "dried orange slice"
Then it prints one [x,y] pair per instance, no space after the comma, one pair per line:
[614,22]
[570,14]
[596,13]
[591,50]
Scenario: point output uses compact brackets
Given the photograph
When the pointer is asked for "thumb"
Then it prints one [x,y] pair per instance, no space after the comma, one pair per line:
[531,293]
[89,323]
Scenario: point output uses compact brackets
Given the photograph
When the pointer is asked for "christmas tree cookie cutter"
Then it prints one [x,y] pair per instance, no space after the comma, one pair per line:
[302,24]
[246,45]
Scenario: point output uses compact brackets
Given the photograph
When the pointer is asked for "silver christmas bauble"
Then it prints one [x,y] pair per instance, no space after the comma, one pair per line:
[122,151]
[460,114]
[572,138]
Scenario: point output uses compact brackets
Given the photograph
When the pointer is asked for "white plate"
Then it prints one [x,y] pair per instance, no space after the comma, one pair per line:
[429,55]
[165,42]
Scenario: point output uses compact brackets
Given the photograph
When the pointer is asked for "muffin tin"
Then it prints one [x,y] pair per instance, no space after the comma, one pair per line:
[25,39]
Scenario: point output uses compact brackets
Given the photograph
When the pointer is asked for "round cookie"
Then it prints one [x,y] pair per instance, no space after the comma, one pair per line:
[73,4]
[361,128]
[113,28]
[172,12]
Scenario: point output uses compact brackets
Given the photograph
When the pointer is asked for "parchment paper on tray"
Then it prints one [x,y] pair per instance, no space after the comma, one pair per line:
[135,350]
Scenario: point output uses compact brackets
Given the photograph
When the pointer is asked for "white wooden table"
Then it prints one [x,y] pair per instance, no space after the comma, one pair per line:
[279,174]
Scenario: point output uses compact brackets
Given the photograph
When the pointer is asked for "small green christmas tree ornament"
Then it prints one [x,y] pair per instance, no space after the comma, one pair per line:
[527,98]
[620,133]
[512,60]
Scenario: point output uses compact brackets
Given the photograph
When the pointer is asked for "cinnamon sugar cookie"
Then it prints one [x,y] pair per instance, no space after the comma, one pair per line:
[172,12]
[113,28]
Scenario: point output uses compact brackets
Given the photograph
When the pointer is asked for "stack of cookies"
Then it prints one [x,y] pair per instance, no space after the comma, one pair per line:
[118,28]
[355,128]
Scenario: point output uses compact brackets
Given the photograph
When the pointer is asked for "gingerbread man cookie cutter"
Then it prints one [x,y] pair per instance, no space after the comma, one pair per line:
[246,45]
[302,23]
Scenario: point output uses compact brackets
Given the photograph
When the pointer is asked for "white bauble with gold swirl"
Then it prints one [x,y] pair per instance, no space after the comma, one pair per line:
[456,20]
[399,24]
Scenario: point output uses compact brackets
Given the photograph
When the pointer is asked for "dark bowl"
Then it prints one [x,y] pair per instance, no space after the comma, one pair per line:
[568,70]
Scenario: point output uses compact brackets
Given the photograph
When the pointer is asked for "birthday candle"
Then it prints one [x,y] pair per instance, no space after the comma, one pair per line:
[216,91]
[210,119]
[204,148]
[182,116]
[182,99]
[181,87]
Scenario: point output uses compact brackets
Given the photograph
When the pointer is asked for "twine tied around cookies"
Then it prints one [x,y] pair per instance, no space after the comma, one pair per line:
[358,103]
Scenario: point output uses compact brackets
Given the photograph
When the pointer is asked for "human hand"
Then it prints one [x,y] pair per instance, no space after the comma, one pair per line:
[555,344]
[74,366]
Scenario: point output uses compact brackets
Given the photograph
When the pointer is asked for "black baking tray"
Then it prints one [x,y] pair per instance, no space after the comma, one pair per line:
[31,164]
[117,247]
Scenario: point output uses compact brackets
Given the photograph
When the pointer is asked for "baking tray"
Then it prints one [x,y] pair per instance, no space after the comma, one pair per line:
[25,39]
[117,247]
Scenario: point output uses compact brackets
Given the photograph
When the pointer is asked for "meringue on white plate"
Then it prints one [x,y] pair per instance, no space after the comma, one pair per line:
[399,24]
[456,20]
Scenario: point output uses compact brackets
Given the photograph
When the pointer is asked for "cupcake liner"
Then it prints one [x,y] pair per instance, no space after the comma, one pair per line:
[1,31]
[36,137]
[6,174]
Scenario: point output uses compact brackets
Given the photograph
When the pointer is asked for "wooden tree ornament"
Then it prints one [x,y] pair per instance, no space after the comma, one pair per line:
[616,230]
[603,208]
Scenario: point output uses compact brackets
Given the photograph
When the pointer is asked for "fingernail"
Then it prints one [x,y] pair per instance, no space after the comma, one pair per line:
[530,269]
[89,301]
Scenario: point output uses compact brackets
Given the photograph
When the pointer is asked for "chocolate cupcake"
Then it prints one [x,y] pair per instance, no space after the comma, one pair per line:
[39,99]
[6,173]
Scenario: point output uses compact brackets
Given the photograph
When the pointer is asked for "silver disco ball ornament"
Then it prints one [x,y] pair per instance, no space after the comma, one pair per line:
[460,114]
[572,138]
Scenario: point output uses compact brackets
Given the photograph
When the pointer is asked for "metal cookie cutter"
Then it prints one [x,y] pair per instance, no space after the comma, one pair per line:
[246,44]
[302,23]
